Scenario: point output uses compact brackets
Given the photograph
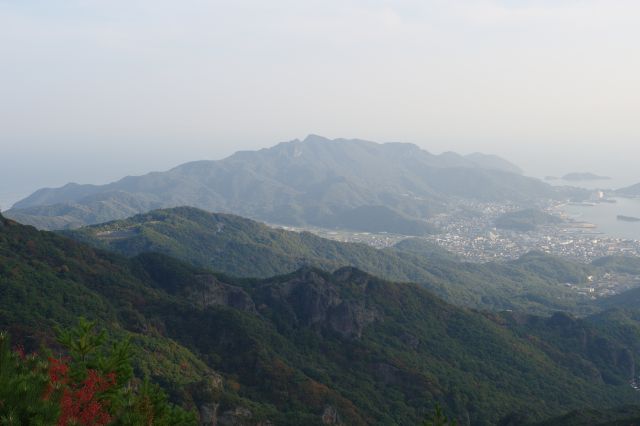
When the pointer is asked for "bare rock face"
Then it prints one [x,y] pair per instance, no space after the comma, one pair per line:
[209,414]
[211,292]
[330,416]
[317,302]
[349,319]
[206,394]
[208,388]
[238,416]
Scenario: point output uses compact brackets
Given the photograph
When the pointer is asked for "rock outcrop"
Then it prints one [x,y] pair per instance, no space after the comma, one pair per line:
[211,292]
[321,302]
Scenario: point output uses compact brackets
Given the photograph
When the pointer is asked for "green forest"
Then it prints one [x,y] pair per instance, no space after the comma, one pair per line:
[315,344]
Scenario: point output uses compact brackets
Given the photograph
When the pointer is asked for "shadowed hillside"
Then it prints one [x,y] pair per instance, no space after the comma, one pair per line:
[292,347]
[242,247]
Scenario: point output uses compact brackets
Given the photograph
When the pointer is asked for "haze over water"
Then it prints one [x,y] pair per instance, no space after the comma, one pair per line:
[93,91]
[604,215]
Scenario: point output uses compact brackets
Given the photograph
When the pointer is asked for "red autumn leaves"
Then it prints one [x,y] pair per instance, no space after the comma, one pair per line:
[80,403]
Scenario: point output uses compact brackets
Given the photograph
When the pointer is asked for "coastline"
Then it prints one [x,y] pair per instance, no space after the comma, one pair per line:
[607,218]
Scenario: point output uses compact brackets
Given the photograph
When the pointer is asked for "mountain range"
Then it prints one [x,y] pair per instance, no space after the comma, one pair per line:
[244,248]
[342,183]
[315,347]
[250,324]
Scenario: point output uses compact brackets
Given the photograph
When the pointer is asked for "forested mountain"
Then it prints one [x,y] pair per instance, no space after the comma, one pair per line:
[389,187]
[312,347]
[242,247]
[619,416]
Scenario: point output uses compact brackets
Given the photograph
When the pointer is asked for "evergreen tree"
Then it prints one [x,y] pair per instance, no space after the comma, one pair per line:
[89,386]
[23,379]
[439,419]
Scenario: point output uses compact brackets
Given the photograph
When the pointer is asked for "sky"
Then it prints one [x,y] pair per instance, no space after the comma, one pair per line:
[93,90]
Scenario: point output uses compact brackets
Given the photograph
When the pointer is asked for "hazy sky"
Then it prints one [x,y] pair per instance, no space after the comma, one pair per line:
[92,90]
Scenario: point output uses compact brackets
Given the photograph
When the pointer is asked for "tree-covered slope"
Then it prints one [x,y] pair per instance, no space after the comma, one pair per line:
[242,247]
[297,348]
[315,181]
[526,220]
[48,281]
[619,416]
[624,264]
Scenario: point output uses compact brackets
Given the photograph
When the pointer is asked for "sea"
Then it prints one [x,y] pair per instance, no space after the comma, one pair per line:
[604,215]
[9,196]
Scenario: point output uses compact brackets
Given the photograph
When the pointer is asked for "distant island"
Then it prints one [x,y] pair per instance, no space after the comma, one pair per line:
[584,176]
[346,184]
[628,218]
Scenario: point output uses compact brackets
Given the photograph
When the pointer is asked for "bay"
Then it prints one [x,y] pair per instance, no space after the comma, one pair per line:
[604,216]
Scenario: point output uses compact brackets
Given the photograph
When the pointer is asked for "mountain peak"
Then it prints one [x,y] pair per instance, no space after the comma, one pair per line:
[317,181]
[313,138]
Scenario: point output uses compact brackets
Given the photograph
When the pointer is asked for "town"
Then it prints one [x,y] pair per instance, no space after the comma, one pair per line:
[469,232]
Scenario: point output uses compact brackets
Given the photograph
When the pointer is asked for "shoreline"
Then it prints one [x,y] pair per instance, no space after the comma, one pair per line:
[605,217]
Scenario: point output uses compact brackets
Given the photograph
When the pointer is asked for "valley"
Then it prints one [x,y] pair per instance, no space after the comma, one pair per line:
[453,281]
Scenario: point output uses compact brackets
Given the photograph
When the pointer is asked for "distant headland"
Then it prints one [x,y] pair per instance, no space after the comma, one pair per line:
[584,176]
[628,218]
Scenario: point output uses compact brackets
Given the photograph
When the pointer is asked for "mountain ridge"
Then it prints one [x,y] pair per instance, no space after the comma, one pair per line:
[242,247]
[316,181]
[292,348]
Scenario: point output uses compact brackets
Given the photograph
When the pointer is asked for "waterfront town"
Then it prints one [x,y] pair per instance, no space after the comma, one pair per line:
[476,238]
[470,232]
